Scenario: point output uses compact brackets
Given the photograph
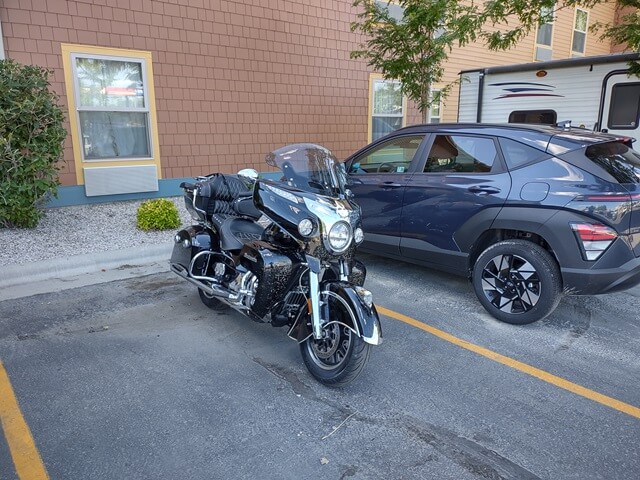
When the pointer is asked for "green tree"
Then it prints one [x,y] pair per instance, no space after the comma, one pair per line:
[411,43]
[528,14]
[31,136]
[626,30]
[410,40]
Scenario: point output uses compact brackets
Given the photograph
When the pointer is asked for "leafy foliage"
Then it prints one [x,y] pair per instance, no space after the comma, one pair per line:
[31,138]
[158,214]
[626,31]
[414,48]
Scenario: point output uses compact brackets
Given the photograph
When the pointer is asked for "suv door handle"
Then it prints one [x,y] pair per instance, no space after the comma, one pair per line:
[483,190]
[389,185]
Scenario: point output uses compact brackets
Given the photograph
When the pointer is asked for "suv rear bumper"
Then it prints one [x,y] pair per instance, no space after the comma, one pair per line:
[582,281]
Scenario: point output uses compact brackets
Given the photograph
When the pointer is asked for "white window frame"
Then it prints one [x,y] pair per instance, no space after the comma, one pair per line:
[575,29]
[543,45]
[431,115]
[146,109]
[377,78]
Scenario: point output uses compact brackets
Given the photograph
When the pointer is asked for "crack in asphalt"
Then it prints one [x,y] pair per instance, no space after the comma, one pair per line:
[467,453]
[350,471]
[470,455]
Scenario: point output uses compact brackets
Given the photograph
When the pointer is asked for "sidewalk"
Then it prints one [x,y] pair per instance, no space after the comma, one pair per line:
[82,245]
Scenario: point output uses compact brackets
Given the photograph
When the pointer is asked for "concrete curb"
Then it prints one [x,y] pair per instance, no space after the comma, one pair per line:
[14,275]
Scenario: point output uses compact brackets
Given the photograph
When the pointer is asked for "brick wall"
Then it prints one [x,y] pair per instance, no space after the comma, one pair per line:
[233,79]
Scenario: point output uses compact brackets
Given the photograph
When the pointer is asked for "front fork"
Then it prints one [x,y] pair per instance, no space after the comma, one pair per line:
[314,291]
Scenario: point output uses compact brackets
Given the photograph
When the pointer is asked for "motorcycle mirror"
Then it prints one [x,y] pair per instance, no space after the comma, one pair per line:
[248,173]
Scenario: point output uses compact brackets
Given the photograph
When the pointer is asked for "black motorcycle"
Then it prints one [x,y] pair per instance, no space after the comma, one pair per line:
[283,252]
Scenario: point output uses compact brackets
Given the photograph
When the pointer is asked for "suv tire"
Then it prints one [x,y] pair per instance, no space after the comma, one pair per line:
[517,281]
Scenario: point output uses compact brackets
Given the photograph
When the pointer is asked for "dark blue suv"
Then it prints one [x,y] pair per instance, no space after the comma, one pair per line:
[527,212]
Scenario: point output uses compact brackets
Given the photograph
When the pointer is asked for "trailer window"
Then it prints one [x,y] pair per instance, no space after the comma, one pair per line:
[625,106]
[547,117]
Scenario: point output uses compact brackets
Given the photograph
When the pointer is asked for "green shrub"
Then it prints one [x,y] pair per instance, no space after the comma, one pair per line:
[31,137]
[158,214]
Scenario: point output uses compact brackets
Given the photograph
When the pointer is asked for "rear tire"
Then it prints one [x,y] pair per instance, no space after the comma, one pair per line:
[339,357]
[517,281]
[211,301]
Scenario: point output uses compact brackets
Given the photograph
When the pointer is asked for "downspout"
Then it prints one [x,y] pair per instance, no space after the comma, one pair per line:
[1,43]
[480,95]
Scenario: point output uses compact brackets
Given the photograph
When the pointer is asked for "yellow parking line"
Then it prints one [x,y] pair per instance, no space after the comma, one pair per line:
[523,367]
[26,458]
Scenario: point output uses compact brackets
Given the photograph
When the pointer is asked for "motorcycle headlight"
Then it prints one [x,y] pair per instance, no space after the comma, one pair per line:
[358,235]
[340,236]
[305,227]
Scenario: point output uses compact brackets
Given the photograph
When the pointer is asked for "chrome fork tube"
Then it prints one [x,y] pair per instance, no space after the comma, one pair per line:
[314,293]
[344,270]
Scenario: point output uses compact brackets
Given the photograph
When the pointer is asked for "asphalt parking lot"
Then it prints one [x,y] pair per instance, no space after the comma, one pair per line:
[136,379]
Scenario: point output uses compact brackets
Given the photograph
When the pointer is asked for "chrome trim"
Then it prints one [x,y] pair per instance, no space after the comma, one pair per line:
[346,305]
[314,294]
[376,338]
[344,270]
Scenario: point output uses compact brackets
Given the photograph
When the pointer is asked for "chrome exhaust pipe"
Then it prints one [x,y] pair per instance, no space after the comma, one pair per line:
[209,290]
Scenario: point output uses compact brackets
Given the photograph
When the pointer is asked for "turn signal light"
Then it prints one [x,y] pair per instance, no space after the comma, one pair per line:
[593,239]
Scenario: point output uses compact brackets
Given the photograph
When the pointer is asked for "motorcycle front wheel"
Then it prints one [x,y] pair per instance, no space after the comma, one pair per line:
[340,356]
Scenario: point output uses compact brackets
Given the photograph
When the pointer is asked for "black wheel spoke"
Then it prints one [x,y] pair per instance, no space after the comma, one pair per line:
[511,283]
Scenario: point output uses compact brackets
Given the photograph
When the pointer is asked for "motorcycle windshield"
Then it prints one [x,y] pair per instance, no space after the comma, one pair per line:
[309,167]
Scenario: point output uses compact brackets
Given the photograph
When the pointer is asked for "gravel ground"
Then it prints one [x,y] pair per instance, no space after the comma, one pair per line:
[82,229]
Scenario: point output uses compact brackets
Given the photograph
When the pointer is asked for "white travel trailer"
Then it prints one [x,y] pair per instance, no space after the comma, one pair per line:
[592,92]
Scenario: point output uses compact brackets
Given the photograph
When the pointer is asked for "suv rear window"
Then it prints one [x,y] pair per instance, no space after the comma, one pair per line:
[621,162]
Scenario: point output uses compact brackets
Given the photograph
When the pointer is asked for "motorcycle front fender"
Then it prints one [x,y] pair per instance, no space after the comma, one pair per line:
[366,320]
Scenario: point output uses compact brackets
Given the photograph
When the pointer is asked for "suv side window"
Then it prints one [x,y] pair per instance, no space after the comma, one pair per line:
[393,156]
[461,154]
[516,153]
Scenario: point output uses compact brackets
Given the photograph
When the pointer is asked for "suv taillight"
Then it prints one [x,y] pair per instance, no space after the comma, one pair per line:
[593,238]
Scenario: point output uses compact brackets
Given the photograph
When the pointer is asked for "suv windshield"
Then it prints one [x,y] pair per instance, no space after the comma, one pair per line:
[309,167]
[621,162]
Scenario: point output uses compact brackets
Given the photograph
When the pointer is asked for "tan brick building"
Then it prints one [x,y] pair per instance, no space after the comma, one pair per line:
[159,90]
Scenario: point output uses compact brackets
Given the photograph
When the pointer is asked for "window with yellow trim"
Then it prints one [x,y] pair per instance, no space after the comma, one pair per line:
[112,102]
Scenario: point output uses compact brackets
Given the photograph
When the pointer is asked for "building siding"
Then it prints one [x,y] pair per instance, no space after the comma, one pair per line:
[235,79]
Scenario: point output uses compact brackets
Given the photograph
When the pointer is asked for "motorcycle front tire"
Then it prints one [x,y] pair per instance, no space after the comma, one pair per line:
[337,359]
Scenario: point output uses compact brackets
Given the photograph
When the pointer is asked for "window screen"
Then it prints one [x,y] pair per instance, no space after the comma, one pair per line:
[625,106]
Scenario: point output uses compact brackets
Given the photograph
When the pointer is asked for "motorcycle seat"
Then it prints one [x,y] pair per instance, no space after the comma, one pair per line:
[223,194]
[236,231]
